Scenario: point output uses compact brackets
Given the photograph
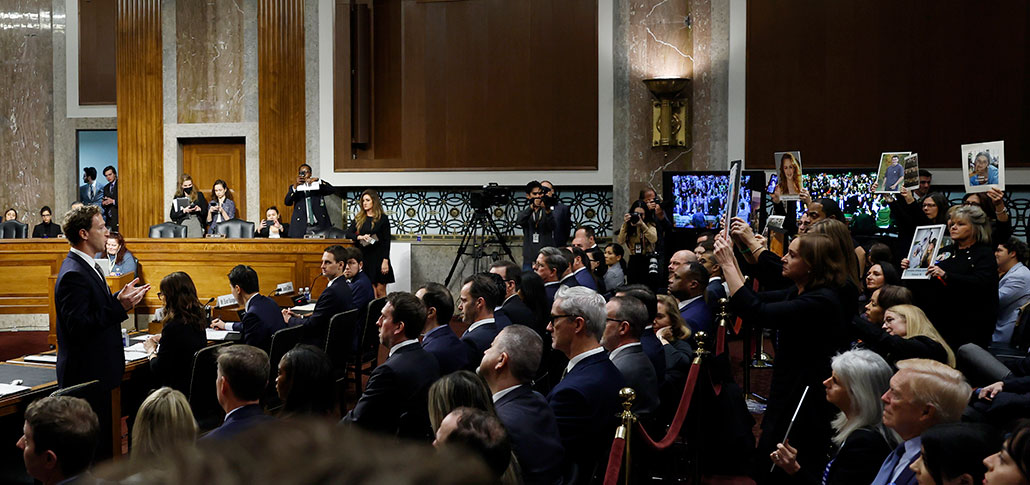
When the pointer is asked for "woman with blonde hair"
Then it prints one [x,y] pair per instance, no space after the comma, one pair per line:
[164,421]
[189,208]
[672,329]
[371,230]
[905,333]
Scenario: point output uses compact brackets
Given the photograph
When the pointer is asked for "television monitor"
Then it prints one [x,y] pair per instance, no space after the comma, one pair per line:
[697,200]
[852,189]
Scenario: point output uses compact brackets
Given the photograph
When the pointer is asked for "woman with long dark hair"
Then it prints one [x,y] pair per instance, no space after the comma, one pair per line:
[222,206]
[955,453]
[305,383]
[182,332]
[370,229]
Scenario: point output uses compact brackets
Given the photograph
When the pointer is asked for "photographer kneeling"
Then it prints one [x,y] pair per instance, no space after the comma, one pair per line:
[638,236]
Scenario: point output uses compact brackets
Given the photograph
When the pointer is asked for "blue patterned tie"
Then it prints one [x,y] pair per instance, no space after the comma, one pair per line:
[886,473]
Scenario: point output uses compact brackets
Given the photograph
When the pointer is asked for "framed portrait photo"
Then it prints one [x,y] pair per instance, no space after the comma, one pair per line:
[788,175]
[911,172]
[983,166]
[890,172]
[926,243]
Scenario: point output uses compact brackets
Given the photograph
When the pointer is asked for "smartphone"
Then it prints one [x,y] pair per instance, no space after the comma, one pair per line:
[773,180]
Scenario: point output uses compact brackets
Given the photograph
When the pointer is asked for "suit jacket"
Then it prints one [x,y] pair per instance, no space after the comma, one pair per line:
[478,341]
[173,364]
[585,403]
[361,291]
[46,230]
[395,400]
[584,278]
[518,312]
[698,316]
[636,368]
[542,226]
[551,290]
[859,459]
[534,434]
[562,224]
[111,211]
[241,420]
[89,333]
[569,281]
[713,293]
[299,222]
[336,298]
[906,477]
[653,349]
[450,352]
[98,194]
[262,319]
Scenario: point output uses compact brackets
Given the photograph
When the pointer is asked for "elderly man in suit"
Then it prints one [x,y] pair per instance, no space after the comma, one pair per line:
[241,380]
[621,338]
[261,317]
[395,400]
[336,298]
[90,193]
[438,337]
[585,401]
[653,347]
[307,196]
[480,294]
[688,284]
[508,367]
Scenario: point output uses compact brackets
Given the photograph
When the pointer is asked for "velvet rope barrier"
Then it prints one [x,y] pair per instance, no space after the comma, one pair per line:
[681,411]
[611,474]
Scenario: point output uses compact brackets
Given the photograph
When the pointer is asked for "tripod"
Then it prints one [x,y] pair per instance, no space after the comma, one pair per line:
[477,231]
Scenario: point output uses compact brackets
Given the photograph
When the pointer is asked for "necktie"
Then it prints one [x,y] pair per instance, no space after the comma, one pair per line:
[886,473]
[311,214]
[100,272]
[92,192]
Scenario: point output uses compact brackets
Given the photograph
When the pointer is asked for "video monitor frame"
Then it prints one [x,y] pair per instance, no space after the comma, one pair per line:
[684,213]
[851,188]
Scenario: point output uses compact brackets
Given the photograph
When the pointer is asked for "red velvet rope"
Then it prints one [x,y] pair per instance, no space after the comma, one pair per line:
[611,474]
[720,340]
[681,412]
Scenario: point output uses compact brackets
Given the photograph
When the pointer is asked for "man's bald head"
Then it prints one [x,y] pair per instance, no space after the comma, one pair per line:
[681,257]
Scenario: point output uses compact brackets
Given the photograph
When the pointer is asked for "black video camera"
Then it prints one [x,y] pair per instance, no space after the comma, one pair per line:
[490,195]
[548,198]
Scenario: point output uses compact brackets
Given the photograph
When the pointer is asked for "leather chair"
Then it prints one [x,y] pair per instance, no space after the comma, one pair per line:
[14,230]
[167,229]
[283,340]
[201,397]
[236,229]
[85,390]
[333,233]
[365,360]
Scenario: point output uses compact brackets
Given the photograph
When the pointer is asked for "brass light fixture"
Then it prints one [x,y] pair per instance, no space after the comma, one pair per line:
[669,112]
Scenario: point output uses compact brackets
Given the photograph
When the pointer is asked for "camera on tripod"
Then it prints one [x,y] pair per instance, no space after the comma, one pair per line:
[490,195]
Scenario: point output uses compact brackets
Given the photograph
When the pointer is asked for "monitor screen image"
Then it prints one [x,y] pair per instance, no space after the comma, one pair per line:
[698,200]
[851,189]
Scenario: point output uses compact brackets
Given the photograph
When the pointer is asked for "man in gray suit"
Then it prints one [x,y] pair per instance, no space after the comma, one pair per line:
[627,317]
[90,193]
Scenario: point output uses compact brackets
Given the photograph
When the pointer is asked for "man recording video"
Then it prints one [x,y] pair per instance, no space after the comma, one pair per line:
[562,215]
[537,223]
[309,214]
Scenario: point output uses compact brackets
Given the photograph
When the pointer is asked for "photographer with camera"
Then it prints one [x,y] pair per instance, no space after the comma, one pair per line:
[271,226]
[537,223]
[663,224]
[639,235]
[310,214]
[562,215]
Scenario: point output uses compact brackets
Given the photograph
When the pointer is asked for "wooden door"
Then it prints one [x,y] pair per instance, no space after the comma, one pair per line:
[210,160]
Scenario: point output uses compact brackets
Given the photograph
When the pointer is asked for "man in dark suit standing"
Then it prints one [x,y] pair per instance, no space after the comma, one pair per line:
[336,298]
[480,294]
[508,367]
[585,402]
[439,339]
[562,215]
[550,265]
[537,224]
[90,193]
[110,200]
[621,338]
[262,317]
[513,306]
[395,398]
[581,269]
[242,379]
[309,214]
[89,317]
[716,288]
[688,284]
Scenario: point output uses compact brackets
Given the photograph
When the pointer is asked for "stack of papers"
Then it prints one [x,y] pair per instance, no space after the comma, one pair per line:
[310,307]
[213,334]
[42,359]
[6,389]
[131,355]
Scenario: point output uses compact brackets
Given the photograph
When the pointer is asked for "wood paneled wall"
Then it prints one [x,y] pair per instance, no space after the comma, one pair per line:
[281,133]
[97,53]
[843,81]
[140,105]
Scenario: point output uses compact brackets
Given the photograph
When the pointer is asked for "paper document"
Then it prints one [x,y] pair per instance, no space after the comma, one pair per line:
[6,389]
[310,307]
[213,334]
[308,187]
[131,355]
[136,347]
[42,359]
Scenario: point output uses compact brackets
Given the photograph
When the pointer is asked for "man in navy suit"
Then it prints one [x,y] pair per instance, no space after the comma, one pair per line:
[90,192]
[336,298]
[261,316]
[585,402]
[688,284]
[550,265]
[242,379]
[513,306]
[567,278]
[509,366]
[624,325]
[89,317]
[395,400]
[581,269]
[480,294]
[716,289]
[110,198]
[561,213]
[648,340]
[439,339]
[309,214]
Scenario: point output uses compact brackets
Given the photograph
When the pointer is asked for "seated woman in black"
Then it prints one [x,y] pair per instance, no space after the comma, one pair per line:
[906,333]
[182,334]
[810,318]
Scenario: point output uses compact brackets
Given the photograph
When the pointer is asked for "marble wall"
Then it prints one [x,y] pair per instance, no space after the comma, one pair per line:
[209,56]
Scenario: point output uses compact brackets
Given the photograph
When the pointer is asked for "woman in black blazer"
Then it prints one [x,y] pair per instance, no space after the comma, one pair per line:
[861,441]
[182,335]
[810,318]
[370,229]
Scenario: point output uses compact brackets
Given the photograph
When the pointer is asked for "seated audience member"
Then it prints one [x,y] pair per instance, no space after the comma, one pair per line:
[394,401]
[923,393]
[361,288]
[1011,465]
[992,203]
[261,317]
[163,423]
[716,289]
[438,337]
[615,275]
[222,206]
[955,453]
[479,296]
[648,340]
[513,307]
[879,274]
[10,215]
[566,278]
[508,367]
[861,441]
[883,298]
[878,253]
[120,260]
[305,383]
[1013,290]
[182,333]
[271,226]
[584,238]
[688,284]
[586,400]
[336,298]
[192,212]
[47,228]
[626,317]
[550,265]
[463,388]
[481,433]
[965,272]
[581,269]
[75,205]
[59,438]
[906,333]
[242,379]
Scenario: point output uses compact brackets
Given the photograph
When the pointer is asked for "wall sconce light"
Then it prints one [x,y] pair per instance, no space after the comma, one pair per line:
[669,112]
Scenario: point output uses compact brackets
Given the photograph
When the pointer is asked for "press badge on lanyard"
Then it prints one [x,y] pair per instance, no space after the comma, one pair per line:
[637,248]
[536,238]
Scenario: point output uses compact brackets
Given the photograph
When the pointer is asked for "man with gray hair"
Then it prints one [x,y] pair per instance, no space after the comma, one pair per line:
[923,393]
[623,327]
[550,265]
[508,367]
[585,402]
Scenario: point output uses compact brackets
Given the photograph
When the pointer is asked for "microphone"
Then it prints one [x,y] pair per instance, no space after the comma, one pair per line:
[207,307]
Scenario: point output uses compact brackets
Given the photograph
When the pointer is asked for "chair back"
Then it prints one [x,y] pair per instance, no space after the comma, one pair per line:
[167,229]
[202,396]
[14,230]
[340,338]
[85,390]
[282,341]
[368,350]
[236,229]
[333,233]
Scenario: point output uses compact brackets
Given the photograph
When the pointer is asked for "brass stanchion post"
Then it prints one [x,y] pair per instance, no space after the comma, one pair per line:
[627,395]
